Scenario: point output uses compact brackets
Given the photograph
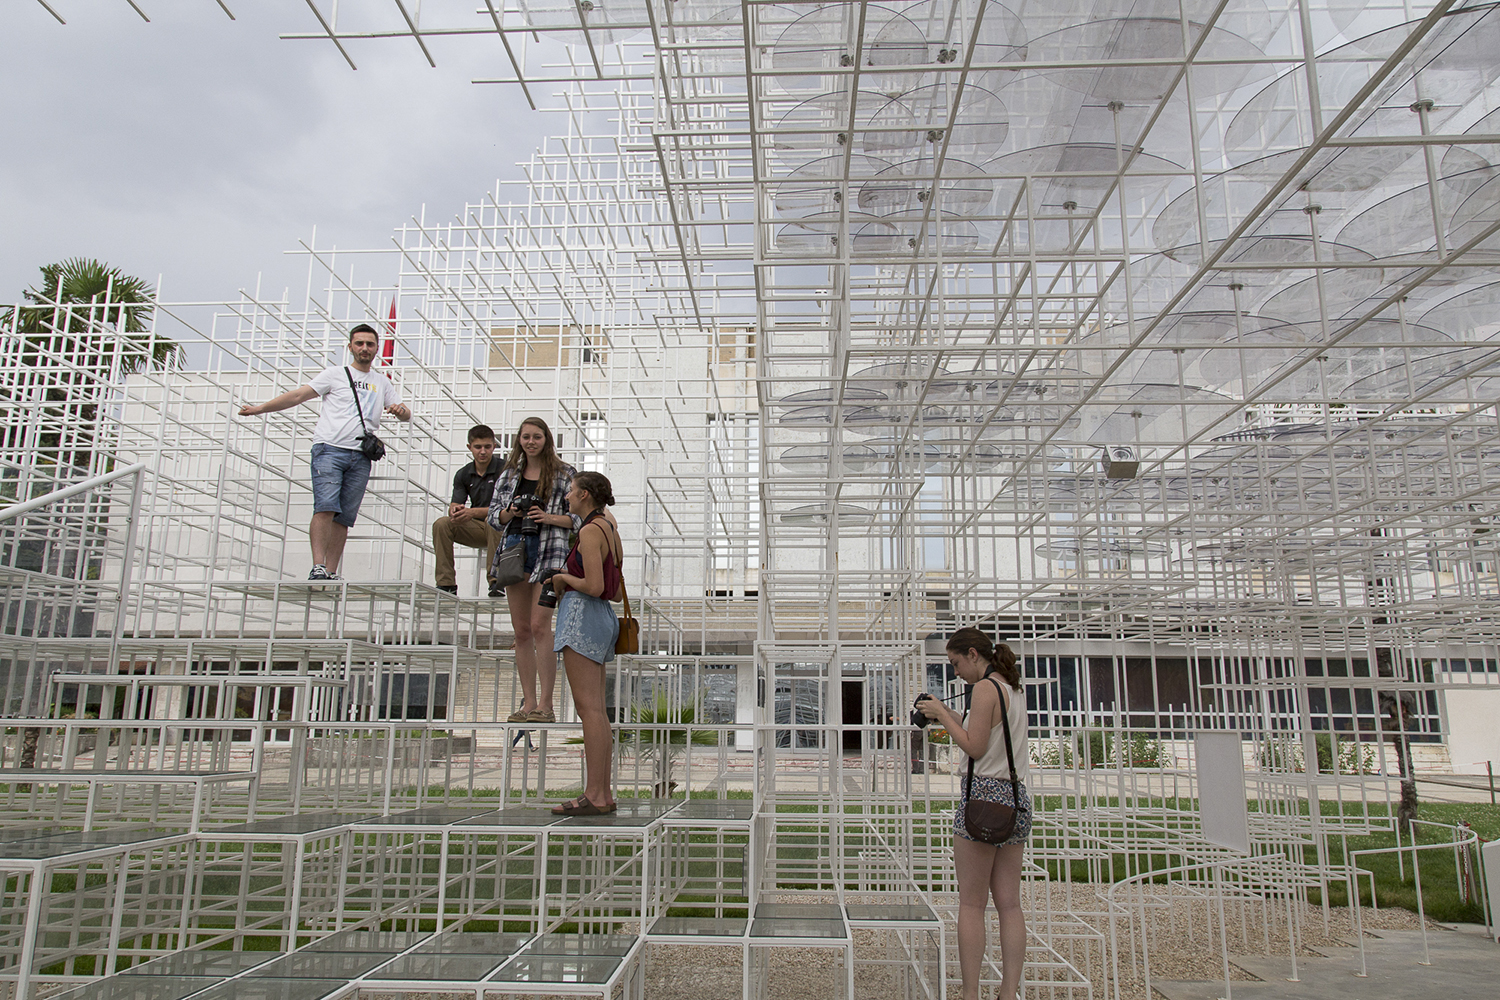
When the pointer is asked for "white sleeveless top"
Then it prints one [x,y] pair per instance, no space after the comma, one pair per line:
[994,764]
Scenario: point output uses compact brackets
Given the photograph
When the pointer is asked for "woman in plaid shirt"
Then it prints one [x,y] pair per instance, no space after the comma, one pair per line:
[530,507]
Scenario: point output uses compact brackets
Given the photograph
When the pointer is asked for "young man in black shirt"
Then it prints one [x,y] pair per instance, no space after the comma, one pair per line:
[465,523]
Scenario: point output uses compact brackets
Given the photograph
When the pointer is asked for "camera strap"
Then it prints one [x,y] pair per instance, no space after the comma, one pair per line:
[1010,753]
[357,408]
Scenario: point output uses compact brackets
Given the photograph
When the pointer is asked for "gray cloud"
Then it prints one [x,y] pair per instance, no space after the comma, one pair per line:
[201,149]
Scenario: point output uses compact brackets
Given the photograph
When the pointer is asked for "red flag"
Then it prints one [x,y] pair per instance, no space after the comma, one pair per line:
[388,352]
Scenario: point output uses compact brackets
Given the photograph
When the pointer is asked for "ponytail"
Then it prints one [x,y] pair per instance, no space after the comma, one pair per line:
[1002,659]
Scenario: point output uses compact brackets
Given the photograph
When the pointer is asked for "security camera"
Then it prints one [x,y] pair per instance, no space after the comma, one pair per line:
[1120,461]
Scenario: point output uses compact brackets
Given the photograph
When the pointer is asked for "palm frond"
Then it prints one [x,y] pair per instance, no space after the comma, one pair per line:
[659,712]
[89,314]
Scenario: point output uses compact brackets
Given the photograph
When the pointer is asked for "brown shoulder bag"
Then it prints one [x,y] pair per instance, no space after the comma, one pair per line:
[993,822]
[629,641]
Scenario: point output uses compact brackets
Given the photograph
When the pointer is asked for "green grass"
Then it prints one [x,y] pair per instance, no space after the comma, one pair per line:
[495,926]
[1395,884]
[1439,879]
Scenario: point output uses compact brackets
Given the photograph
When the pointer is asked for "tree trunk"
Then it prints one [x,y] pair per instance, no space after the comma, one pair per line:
[664,782]
[1396,711]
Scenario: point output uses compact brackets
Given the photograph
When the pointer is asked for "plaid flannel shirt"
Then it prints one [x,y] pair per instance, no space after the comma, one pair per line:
[555,541]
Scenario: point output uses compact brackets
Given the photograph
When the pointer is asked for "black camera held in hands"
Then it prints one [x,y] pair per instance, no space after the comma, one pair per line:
[522,505]
[548,597]
[917,718]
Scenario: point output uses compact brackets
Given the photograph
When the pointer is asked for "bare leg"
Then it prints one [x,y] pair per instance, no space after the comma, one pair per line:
[328,537]
[973,863]
[1005,886]
[336,542]
[522,600]
[544,656]
[586,678]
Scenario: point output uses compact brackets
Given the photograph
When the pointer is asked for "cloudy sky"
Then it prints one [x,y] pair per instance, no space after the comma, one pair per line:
[200,149]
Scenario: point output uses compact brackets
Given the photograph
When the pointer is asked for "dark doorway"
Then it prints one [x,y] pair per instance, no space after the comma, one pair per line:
[854,715]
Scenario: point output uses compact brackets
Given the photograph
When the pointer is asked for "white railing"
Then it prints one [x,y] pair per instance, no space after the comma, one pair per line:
[36,503]
[137,470]
[1459,839]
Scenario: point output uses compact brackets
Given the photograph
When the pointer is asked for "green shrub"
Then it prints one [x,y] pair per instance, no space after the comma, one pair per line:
[1099,749]
[1287,756]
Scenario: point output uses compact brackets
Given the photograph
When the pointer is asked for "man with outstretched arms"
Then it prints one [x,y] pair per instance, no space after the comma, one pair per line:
[354,398]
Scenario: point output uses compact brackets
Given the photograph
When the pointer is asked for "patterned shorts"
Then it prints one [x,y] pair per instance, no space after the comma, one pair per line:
[989,789]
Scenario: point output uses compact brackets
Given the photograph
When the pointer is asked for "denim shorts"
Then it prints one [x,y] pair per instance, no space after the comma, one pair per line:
[339,476]
[533,548]
[587,625]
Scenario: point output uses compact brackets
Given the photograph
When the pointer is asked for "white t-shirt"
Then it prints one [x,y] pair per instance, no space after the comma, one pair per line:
[339,421]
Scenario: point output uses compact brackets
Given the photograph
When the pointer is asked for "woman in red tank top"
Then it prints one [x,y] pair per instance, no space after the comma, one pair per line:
[586,631]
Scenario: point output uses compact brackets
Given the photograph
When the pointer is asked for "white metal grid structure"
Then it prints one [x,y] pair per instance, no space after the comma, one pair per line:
[1153,337]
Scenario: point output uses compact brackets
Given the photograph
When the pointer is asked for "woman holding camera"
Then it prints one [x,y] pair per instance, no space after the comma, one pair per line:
[985,869]
[587,629]
[529,507]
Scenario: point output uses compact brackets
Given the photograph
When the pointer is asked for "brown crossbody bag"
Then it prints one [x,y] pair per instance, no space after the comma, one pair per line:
[994,822]
[629,640]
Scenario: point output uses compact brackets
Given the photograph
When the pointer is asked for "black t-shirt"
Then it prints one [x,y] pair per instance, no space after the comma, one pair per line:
[473,490]
[523,487]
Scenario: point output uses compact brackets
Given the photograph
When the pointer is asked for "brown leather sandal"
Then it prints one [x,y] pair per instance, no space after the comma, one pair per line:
[581,806]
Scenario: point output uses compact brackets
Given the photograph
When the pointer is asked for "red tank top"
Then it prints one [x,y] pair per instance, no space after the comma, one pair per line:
[612,575]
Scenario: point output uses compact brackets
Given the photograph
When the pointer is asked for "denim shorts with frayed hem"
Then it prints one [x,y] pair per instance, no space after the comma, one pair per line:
[339,476]
[586,624]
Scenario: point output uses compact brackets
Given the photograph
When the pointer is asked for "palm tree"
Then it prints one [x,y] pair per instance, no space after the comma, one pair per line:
[91,313]
[89,324]
[84,326]
[663,746]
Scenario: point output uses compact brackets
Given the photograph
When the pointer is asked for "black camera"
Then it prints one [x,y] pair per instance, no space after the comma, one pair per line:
[548,597]
[522,505]
[917,718]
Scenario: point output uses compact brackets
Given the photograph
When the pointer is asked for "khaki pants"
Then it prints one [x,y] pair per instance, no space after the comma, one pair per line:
[473,532]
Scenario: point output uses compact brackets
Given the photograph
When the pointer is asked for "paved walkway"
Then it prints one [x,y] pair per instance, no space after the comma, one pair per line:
[1455,788]
[1465,966]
